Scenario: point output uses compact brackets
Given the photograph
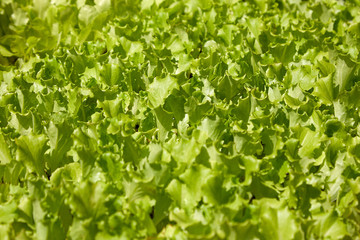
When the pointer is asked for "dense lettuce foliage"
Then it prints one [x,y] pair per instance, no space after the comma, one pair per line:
[193,119]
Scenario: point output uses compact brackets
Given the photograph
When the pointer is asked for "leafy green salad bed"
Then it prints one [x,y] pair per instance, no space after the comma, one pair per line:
[192,119]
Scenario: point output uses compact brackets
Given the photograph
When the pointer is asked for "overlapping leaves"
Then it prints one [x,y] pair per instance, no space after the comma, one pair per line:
[179,119]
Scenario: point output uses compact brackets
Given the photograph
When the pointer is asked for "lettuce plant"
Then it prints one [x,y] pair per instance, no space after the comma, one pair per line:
[188,119]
